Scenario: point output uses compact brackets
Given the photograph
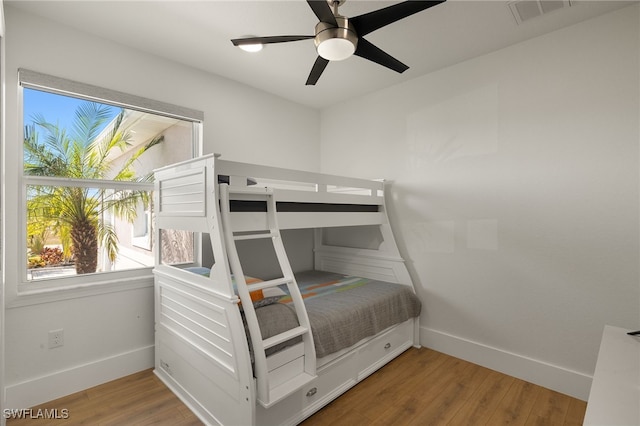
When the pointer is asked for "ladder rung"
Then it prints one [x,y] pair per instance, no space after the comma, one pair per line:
[257,236]
[268,284]
[283,337]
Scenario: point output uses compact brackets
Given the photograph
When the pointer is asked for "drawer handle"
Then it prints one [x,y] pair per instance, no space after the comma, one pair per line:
[387,346]
[312,391]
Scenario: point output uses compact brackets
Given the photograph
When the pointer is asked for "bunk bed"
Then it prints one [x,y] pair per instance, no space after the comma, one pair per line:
[242,350]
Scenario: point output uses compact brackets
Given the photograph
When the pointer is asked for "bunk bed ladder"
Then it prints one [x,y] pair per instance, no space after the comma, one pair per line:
[302,370]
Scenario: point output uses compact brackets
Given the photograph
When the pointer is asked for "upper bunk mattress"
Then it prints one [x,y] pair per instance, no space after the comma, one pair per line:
[342,310]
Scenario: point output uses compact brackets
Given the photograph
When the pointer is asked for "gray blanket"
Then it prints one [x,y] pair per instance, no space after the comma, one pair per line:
[340,320]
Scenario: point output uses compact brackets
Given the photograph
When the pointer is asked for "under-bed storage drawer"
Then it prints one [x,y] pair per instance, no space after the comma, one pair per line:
[333,380]
[383,348]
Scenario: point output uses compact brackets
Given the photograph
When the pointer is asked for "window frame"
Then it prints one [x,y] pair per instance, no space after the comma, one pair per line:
[142,223]
[99,282]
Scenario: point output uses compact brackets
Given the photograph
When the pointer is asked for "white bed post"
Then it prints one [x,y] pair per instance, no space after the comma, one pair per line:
[384,263]
[209,369]
[389,244]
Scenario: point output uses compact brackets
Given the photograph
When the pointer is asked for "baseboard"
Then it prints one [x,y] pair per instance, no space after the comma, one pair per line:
[61,383]
[550,376]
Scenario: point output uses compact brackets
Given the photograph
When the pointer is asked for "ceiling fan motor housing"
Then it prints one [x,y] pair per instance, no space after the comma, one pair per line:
[336,43]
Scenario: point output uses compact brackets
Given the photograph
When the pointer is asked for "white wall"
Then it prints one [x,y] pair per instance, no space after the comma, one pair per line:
[515,195]
[109,335]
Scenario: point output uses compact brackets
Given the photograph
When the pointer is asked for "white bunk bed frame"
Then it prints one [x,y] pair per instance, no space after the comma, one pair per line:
[201,350]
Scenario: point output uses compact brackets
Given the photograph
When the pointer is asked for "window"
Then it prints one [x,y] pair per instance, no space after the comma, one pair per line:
[88,160]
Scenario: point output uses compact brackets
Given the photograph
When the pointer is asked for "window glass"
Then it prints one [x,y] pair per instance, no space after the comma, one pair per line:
[88,183]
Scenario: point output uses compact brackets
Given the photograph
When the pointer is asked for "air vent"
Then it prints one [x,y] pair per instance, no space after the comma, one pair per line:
[524,10]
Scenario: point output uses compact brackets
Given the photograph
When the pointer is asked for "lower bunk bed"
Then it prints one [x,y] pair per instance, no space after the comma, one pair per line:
[358,325]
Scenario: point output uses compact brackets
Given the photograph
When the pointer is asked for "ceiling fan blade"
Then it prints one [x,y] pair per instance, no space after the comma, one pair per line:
[268,40]
[316,71]
[368,22]
[323,11]
[368,51]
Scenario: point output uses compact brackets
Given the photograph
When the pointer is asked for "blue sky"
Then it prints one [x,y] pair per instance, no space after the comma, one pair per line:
[55,108]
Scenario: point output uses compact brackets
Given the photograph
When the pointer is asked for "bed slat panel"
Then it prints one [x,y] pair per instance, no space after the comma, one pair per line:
[183,194]
[174,306]
[326,197]
[376,269]
[329,219]
[255,221]
[203,324]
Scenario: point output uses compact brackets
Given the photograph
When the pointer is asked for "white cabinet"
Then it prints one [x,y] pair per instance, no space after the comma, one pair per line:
[615,391]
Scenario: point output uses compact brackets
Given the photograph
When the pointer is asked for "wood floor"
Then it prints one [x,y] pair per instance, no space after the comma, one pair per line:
[421,387]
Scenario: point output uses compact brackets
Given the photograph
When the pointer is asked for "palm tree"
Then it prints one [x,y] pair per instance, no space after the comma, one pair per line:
[83,152]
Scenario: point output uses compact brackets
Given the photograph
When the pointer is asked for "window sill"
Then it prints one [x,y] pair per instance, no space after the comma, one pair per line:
[73,291]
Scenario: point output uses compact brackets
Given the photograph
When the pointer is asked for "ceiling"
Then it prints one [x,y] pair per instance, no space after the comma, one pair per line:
[198,33]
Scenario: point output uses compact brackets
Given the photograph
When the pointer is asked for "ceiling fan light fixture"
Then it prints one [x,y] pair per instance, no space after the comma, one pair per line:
[252,48]
[336,49]
[336,43]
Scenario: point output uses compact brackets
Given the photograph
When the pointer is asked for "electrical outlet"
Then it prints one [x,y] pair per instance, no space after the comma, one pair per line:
[56,338]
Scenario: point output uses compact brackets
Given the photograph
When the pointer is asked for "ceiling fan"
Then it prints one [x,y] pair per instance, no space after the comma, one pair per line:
[338,37]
